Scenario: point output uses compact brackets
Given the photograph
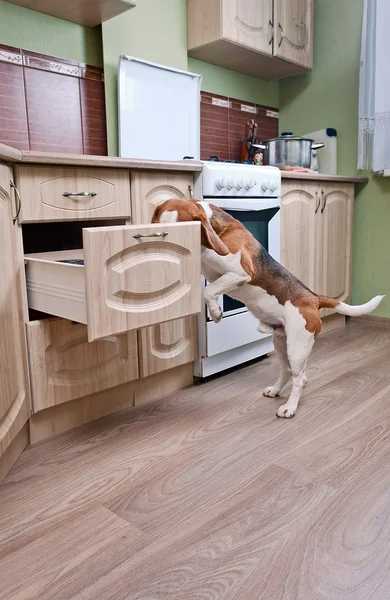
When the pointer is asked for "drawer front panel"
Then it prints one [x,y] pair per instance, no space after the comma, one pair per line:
[68,193]
[133,282]
[64,366]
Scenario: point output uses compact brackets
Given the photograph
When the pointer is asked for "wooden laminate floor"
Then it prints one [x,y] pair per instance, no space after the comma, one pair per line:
[206,495]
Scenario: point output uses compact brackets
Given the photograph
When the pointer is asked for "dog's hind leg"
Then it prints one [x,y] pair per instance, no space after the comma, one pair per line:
[279,339]
[301,334]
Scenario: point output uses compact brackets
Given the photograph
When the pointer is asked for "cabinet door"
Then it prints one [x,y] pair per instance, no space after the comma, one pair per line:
[248,23]
[300,247]
[65,366]
[293,23]
[150,189]
[336,215]
[14,401]
[167,345]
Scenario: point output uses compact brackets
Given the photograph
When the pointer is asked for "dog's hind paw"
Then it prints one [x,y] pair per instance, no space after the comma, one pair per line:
[270,392]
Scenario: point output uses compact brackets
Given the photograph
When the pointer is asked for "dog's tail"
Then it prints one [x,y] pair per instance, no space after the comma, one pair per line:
[350,311]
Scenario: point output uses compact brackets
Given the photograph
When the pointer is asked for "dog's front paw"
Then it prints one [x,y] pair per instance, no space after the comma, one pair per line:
[270,392]
[264,328]
[216,314]
[286,412]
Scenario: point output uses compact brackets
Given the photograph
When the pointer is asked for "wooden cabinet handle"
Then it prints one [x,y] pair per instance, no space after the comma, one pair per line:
[280,28]
[18,201]
[90,194]
[323,201]
[318,202]
[271,25]
[162,234]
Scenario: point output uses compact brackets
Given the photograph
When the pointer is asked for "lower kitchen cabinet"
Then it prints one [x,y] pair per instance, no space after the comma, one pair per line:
[14,393]
[167,345]
[316,235]
[65,366]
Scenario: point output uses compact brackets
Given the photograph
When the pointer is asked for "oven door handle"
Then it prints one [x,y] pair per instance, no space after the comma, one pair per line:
[245,204]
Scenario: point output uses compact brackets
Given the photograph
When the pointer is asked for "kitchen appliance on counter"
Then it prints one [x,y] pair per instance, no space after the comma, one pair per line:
[250,194]
[327,156]
[288,151]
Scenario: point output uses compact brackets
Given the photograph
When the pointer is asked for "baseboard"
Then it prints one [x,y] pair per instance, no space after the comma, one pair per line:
[372,320]
[63,417]
[12,453]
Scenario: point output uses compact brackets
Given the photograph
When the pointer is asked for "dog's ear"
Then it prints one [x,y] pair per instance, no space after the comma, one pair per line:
[210,239]
[157,213]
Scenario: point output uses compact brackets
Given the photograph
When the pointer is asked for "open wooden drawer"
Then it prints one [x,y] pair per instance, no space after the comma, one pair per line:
[129,277]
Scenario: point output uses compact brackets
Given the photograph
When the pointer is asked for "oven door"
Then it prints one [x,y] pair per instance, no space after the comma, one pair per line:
[261,216]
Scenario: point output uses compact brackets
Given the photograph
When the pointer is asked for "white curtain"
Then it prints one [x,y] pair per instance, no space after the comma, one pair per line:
[374,90]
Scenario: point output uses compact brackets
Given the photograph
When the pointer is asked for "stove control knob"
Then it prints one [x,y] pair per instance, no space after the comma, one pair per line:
[249,184]
[230,184]
[265,185]
[220,183]
[240,184]
[274,186]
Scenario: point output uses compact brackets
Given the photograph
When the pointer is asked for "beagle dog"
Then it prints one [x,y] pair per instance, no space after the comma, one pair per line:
[235,263]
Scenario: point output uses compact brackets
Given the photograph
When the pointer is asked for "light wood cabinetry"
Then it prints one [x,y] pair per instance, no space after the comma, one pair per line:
[337,223]
[69,193]
[174,343]
[83,12]
[131,277]
[65,366]
[271,39]
[293,31]
[299,231]
[14,394]
[248,23]
[167,345]
[150,189]
[316,236]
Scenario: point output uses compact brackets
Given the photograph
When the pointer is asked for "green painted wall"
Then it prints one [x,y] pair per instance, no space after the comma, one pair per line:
[157,31]
[328,97]
[35,31]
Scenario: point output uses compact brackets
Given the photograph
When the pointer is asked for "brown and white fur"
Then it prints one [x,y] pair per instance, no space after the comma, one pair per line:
[234,263]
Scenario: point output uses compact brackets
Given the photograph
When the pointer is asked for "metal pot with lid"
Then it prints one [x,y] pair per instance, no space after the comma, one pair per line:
[288,150]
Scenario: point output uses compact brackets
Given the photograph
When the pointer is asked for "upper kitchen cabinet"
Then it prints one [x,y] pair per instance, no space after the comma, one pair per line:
[83,12]
[271,39]
[293,31]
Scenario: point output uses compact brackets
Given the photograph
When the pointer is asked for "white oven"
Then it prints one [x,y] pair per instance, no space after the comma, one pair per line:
[251,194]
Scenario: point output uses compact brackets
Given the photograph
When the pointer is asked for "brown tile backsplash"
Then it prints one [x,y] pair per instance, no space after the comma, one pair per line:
[222,125]
[51,104]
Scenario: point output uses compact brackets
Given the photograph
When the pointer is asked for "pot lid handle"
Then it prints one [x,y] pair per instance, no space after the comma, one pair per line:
[286,134]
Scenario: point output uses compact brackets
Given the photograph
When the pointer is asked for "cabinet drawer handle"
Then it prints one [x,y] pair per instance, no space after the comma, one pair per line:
[163,234]
[90,194]
[18,201]
[323,201]
[190,192]
[318,202]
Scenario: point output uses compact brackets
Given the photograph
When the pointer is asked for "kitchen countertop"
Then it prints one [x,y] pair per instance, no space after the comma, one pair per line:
[323,177]
[82,160]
